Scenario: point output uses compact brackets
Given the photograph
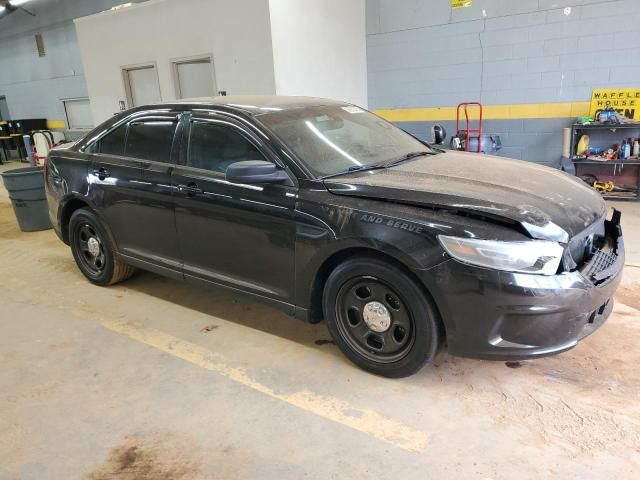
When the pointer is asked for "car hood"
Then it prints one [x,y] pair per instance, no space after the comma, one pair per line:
[547,203]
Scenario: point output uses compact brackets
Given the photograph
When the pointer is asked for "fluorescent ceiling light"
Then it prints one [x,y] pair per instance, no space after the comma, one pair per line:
[17,3]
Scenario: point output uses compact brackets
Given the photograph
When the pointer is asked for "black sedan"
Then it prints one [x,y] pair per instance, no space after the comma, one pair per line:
[327,211]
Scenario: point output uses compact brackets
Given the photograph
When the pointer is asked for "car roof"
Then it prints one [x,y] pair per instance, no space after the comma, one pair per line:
[255,104]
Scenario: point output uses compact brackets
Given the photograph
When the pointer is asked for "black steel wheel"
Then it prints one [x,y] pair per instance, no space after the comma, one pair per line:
[93,251]
[380,317]
[374,319]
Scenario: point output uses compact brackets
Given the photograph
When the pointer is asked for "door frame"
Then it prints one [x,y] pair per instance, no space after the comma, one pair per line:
[142,166]
[175,62]
[4,97]
[184,170]
[245,129]
[125,69]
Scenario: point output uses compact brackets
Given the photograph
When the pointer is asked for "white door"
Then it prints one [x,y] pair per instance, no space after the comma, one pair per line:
[195,79]
[143,86]
[78,113]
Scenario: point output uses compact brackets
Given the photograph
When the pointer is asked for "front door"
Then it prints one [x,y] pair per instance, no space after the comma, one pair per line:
[130,175]
[240,236]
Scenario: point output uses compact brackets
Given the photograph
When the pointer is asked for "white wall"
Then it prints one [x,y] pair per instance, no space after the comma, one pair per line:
[319,48]
[235,32]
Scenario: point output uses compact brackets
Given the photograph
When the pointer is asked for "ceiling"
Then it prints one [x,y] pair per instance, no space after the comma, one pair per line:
[48,13]
[6,7]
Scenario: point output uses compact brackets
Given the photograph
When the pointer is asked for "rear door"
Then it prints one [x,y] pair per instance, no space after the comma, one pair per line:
[236,235]
[130,176]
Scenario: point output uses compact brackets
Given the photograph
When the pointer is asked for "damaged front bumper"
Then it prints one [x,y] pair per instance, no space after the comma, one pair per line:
[498,315]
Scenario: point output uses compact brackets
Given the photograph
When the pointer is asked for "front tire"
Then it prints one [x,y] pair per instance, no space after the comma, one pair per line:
[93,251]
[380,317]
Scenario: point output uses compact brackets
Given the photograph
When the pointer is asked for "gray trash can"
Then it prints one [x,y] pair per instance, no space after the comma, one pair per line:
[26,191]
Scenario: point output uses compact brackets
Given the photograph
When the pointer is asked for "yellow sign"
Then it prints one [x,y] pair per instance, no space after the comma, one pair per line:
[625,101]
[461,3]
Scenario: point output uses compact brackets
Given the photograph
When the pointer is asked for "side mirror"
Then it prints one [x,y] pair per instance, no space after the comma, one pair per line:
[438,134]
[255,171]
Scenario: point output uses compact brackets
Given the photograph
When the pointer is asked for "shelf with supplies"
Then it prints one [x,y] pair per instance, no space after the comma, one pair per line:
[607,161]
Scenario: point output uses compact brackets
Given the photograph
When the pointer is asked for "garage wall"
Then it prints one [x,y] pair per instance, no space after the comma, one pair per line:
[531,54]
[33,85]
[319,48]
[235,32]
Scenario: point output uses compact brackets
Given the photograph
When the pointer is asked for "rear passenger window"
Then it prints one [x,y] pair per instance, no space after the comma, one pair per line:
[215,147]
[150,140]
[112,143]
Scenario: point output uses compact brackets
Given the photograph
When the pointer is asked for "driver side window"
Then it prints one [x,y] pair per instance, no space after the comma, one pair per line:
[112,143]
[214,147]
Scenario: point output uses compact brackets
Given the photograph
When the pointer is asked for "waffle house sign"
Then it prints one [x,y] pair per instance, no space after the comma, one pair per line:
[625,101]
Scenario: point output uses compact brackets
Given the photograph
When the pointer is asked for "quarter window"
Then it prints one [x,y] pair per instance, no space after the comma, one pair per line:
[150,140]
[215,147]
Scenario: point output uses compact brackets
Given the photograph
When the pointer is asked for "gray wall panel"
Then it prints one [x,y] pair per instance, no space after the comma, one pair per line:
[35,86]
[501,52]
[536,140]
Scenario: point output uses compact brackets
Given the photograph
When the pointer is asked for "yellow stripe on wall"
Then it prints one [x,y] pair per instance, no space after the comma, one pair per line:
[490,112]
[55,124]
[50,123]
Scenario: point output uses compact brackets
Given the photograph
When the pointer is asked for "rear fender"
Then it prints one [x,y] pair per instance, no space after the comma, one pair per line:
[71,202]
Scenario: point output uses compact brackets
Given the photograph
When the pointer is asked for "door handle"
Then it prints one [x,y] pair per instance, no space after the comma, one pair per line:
[190,189]
[101,173]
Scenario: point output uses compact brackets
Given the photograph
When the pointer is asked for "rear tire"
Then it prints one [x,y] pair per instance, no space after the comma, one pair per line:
[93,250]
[379,317]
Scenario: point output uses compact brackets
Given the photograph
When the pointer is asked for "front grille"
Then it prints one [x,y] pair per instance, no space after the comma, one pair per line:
[604,254]
[599,262]
[580,247]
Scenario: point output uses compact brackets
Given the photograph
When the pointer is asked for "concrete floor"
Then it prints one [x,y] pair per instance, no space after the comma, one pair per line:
[153,379]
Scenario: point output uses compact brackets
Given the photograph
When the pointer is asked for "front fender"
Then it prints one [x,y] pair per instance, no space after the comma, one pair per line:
[337,231]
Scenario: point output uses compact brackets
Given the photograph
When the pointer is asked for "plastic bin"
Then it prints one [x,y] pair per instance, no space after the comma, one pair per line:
[26,191]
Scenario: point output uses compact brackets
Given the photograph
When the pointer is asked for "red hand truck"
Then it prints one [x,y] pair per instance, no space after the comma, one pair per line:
[466,131]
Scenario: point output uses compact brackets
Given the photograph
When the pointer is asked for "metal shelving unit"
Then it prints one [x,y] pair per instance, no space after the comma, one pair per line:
[610,168]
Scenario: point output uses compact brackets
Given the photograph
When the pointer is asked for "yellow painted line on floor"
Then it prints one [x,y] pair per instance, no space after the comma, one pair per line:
[490,112]
[363,420]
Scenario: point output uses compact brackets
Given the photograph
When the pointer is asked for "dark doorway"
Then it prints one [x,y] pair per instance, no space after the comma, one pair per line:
[4,108]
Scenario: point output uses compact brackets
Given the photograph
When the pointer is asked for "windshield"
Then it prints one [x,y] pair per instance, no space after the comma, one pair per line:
[331,139]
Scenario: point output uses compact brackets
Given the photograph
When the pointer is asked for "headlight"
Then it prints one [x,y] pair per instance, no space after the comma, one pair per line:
[536,256]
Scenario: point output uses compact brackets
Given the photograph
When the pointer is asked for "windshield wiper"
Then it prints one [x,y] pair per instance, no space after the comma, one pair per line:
[355,168]
[379,166]
[406,157]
